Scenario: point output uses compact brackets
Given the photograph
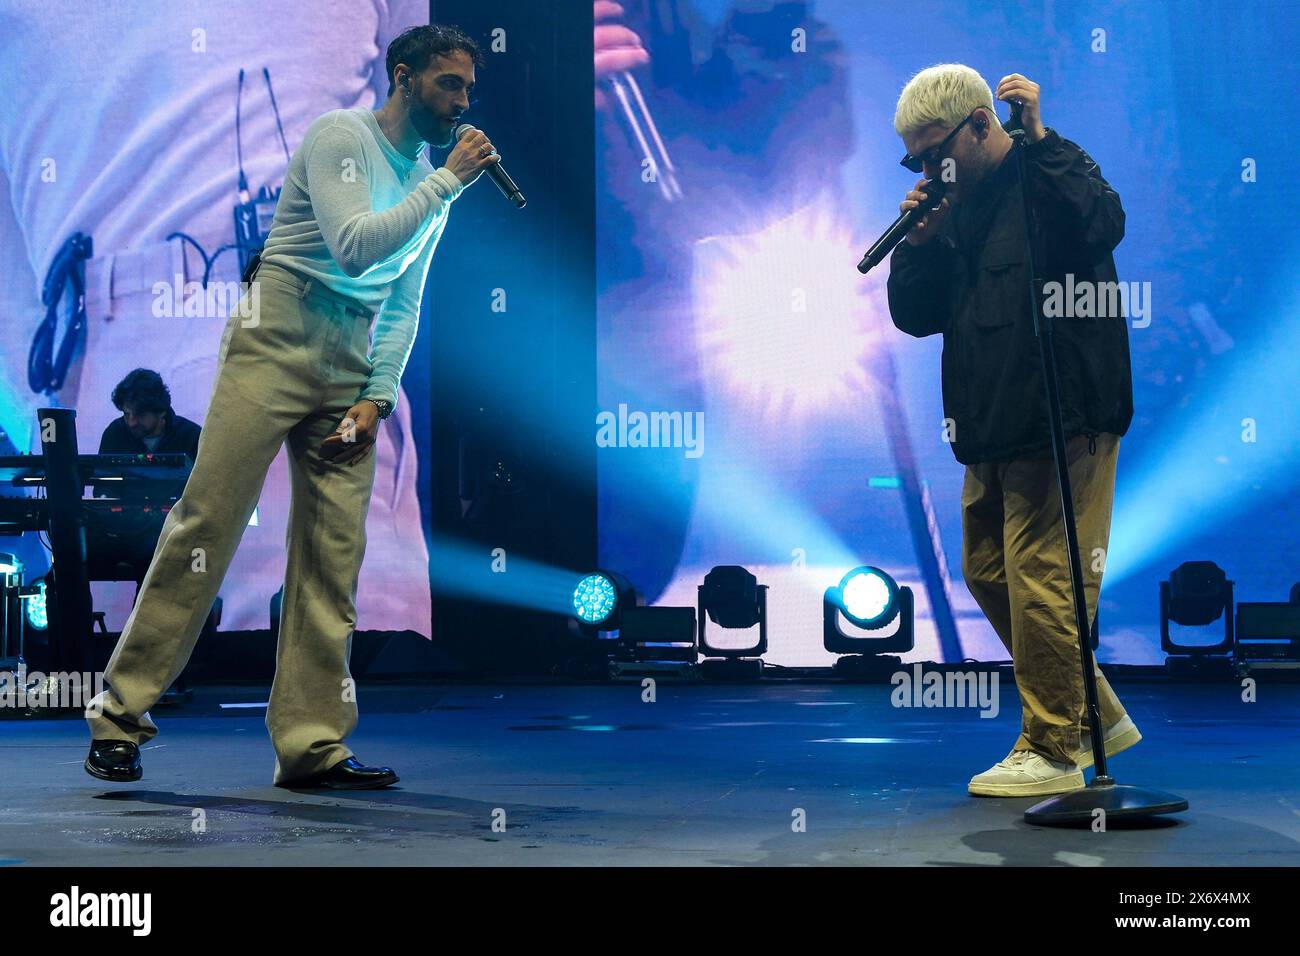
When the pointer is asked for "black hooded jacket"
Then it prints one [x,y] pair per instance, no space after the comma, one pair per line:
[970,282]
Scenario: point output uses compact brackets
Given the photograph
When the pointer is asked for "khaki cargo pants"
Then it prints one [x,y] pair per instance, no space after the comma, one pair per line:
[1013,559]
[290,372]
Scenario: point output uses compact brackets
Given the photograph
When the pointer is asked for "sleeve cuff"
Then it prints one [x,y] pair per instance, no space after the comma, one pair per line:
[449,184]
[1050,142]
[374,391]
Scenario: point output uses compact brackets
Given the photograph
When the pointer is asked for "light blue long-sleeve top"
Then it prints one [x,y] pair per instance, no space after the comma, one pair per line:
[364,219]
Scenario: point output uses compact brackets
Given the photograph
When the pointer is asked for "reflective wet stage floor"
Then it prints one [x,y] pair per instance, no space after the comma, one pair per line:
[772,774]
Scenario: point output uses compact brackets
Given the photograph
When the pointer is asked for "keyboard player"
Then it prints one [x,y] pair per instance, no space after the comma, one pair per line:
[148,424]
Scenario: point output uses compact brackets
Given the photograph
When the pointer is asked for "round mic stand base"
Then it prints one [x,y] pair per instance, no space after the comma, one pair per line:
[1104,800]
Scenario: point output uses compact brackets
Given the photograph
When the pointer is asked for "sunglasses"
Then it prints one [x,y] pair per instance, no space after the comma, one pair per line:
[934,154]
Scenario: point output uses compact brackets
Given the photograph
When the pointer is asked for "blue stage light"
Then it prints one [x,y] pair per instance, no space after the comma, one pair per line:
[595,599]
[36,614]
[868,597]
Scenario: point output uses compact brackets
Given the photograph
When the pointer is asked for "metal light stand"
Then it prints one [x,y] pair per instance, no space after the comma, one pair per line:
[1117,802]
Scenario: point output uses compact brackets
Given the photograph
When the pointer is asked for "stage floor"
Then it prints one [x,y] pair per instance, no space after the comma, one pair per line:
[706,775]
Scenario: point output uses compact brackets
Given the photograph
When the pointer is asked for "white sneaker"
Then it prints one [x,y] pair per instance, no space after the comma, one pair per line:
[1026,774]
[1119,737]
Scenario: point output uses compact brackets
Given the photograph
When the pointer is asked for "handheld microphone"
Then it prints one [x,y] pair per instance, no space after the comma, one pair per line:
[497,174]
[1015,126]
[934,191]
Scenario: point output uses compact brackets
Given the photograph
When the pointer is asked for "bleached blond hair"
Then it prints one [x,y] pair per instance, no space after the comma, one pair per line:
[944,94]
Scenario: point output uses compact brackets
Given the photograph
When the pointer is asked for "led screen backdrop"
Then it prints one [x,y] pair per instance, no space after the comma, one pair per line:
[791,406]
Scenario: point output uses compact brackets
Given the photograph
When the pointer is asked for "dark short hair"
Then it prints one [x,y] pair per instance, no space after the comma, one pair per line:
[418,46]
[143,388]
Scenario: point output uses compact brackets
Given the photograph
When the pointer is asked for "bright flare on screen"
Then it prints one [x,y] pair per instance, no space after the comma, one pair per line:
[779,320]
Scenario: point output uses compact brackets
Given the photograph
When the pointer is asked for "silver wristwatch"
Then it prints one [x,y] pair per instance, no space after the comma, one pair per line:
[385,407]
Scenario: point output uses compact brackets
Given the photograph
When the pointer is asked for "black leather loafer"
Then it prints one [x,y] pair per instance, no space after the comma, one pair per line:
[348,774]
[114,760]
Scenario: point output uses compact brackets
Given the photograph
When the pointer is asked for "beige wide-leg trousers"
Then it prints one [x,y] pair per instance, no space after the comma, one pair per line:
[1013,559]
[290,372]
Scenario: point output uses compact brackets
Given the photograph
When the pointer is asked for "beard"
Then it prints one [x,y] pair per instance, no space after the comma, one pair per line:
[431,127]
[975,167]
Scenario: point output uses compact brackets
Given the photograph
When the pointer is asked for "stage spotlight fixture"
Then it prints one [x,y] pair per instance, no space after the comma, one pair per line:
[599,599]
[732,598]
[1197,593]
[867,596]
[869,599]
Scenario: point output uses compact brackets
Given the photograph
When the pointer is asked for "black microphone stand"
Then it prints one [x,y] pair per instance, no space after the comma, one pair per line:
[1117,802]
